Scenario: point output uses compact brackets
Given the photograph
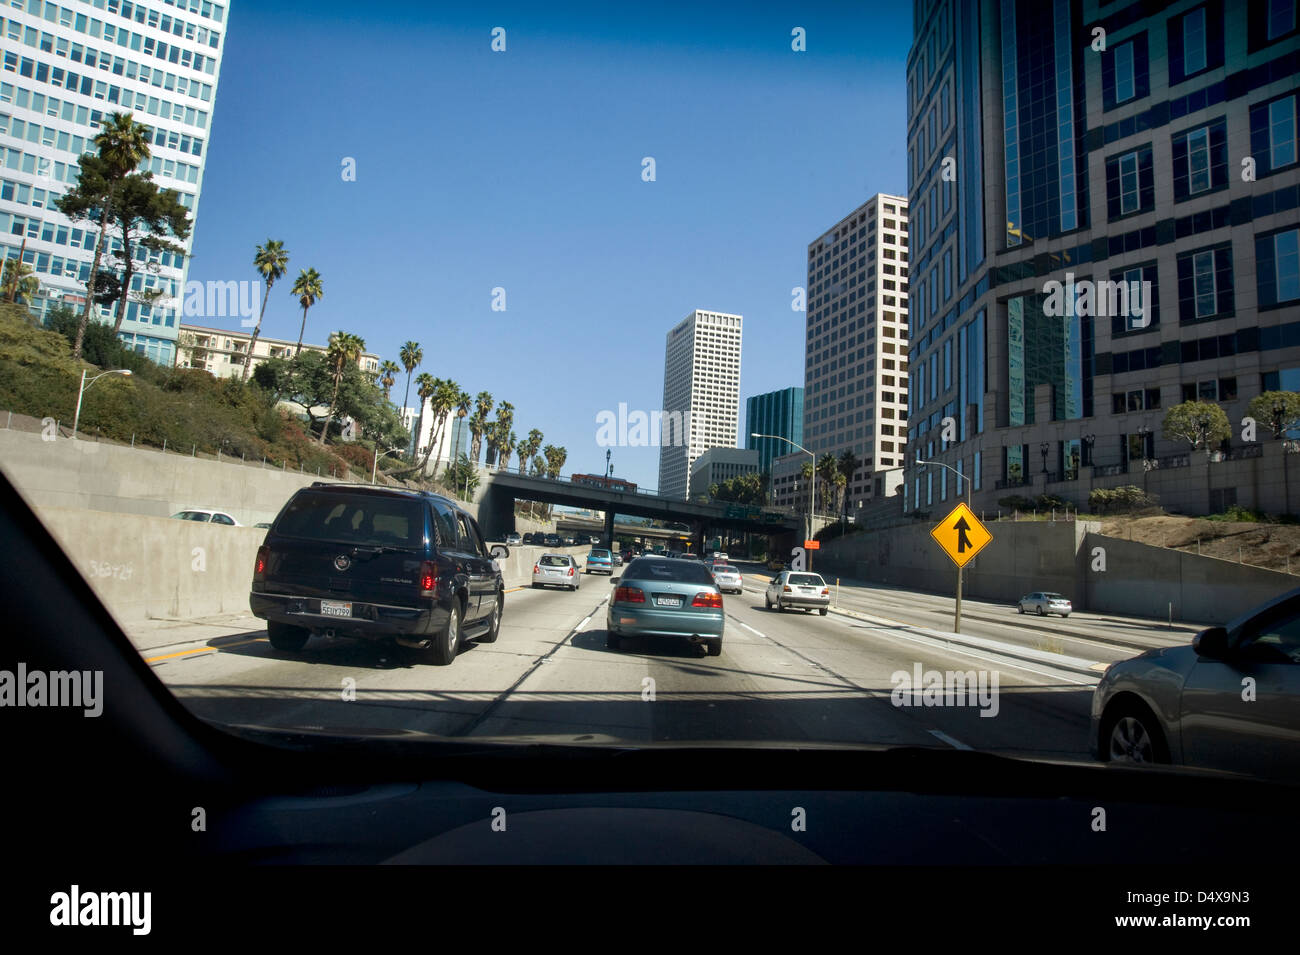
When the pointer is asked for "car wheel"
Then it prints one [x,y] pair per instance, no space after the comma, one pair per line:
[824,611]
[714,647]
[1020,608]
[447,643]
[780,607]
[1041,611]
[494,629]
[1064,616]
[1134,738]
[536,585]
[767,601]
[612,641]
[284,636]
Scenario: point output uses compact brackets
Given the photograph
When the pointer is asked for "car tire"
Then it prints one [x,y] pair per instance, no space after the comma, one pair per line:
[612,641]
[447,644]
[1131,735]
[714,647]
[824,611]
[780,607]
[1064,616]
[494,628]
[1020,608]
[285,636]
[536,585]
[1041,611]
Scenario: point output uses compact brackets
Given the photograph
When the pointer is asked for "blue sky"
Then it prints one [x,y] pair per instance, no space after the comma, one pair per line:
[522,170]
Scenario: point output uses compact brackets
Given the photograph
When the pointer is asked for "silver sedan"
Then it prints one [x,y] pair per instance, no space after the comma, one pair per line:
[556,570]
[1044,602]
[801,591]
[1229,701]
[728,578]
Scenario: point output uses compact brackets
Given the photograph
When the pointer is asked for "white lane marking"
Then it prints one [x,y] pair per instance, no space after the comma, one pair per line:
[750,629]
[954,743]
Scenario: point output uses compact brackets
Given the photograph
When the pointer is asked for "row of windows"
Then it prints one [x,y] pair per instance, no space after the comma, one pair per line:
[127,9]
[77,145]
[42,165]
[16,31]
[1195,46]
[87,85]
[68,111]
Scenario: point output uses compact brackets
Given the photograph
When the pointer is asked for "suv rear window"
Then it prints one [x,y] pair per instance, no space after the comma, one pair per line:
[362,519]
[599,553]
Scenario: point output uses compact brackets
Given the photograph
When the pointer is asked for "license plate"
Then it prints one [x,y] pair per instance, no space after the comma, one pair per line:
[668,601]
[336,608]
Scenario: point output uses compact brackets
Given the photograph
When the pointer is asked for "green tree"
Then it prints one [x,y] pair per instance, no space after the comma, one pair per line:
[388,376]
[411,355]
[1201,424]
[345,349]
[150,219]
[848,466]
[827,468]
[496,432]
[555,458]
[529,447]
[271,260]
[1279,411]
[478,423]
[122,145]
[19,280]
[463,476]
[307,290]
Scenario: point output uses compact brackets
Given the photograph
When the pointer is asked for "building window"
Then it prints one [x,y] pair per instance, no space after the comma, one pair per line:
[1281,18]
[1205,287]
[1125,88]
[1203,279]
[1200,160]
[1130,183]
[1277,263]
[1273,134]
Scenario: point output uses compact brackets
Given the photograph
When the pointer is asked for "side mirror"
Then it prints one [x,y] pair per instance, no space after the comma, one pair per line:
[1211,643]
[614,580]
[500,551]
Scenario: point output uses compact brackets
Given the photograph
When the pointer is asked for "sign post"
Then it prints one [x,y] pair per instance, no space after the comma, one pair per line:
[962,536]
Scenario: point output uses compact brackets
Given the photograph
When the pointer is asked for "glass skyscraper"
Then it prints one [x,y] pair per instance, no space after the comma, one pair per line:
[66,67]
[779,413]
[1102,148]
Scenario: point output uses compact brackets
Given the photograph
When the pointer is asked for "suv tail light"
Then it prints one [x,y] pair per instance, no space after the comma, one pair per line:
[428,579]
[785,589]
[629,595]
[259,567]
[708,598]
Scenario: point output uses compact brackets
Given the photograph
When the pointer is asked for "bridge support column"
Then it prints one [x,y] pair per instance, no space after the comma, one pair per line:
[608,537]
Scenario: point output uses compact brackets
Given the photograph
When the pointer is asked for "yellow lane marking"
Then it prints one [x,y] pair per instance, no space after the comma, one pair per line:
[186,653]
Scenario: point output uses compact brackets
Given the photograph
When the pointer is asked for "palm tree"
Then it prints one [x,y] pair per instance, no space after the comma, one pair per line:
[827,468]
[460,403]
[123,144]
[478,423]
[388,376]
[507,443]
[555,458]
[411,354]
[425,386]
[848,465]
[528,448]
[307,289]
[499,430]
[344,348]
[19,279]
[442,400]
[271,260]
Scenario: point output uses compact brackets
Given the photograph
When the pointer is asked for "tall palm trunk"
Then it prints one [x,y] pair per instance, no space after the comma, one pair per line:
[128,271]
[300,331]
[252,343]
[94,275]
[329,419]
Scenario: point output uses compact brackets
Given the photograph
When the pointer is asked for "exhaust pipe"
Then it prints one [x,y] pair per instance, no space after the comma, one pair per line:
[413,644]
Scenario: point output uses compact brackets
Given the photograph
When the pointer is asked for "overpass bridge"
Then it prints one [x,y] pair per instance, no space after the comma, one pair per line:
[497,510]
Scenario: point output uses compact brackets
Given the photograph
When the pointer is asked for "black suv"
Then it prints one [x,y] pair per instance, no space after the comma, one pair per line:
[377,563]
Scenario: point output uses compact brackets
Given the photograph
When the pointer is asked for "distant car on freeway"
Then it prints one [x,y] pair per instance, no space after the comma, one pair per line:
[514,540]
[775,564]
[263,524]
[657,597]
[556,570]
[728,578]
[1186,705]
[616,557]
[599,561]
[1043,602]
[798,591]
[205,515]
[551,540]
[628,555]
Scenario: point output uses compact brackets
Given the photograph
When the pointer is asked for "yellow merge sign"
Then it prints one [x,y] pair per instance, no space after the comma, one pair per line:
[961,535]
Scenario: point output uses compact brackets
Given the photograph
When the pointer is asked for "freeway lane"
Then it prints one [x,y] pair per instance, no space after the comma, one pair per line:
[790,676]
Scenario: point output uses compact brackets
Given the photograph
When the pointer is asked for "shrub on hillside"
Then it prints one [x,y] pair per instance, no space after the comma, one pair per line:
[1119,500]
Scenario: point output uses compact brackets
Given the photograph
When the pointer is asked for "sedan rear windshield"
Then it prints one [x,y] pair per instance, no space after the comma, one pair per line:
[724,569]
[807,580]
[362,519]
[1054,596]
[554,560]
[193,516]
[676,571]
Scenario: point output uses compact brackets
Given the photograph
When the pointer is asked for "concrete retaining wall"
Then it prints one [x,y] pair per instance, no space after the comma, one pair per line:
[1139,579]
[146,567]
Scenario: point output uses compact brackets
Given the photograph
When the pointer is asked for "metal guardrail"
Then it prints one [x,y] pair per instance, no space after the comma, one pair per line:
[1110,470]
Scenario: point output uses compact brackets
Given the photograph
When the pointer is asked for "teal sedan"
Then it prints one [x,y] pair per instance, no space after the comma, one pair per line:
[662,597]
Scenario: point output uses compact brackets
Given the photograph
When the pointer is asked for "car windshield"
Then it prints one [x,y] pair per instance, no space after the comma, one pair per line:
[361,519]
[1064,392]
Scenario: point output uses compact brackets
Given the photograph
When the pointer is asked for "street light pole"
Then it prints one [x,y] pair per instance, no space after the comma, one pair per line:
[812,483]
[82,390]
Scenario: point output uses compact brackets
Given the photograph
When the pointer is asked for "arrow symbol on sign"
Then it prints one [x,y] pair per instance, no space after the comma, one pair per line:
[961,527]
